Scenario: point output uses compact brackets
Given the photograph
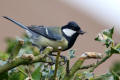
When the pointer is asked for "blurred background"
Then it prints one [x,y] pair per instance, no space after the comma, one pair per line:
[92,15]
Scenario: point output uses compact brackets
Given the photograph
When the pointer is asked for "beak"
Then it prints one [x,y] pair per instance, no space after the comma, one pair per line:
[81,32]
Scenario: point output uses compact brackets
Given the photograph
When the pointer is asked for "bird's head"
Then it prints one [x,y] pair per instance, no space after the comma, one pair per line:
[72,28]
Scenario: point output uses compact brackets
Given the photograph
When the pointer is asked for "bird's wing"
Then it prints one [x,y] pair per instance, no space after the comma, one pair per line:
[53,33]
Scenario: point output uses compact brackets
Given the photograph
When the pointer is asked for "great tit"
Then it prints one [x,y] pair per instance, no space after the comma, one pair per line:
[57,37]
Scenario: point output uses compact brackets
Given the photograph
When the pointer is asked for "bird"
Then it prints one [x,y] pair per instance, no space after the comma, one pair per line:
[59,38]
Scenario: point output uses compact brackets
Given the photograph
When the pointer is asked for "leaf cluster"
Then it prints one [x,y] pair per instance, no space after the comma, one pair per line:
[44,71]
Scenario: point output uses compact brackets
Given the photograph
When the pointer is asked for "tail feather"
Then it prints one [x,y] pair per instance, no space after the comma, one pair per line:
[17,23]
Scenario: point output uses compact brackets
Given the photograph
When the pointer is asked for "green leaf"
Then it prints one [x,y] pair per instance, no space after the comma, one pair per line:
[115,75]
[15,75]
[109,32]
[84,76]
[10,44]
[113,50]
[4,76]
[72,54]
[3,56]
[97,38]
[107,51]
[108,42]
[88,75]
[61,72]
[116,68]
[106,37]
[101,37]
[36,75]
[107,76]
[117,46]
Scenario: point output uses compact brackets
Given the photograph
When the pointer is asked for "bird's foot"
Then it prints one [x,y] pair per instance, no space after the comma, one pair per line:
[52,59]
[62,57]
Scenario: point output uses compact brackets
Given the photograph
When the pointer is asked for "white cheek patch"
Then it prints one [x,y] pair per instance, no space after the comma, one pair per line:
[69,32]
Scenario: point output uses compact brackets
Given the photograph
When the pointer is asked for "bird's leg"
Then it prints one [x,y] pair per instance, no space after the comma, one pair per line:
[49,55]
[56,64]
[52,58]
[41,49]
[61,56]
[64,58]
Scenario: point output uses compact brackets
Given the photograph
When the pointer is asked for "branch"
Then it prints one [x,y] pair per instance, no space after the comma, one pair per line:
[79,62]
[87,66]
[100,62]
[67,67]
[25,59]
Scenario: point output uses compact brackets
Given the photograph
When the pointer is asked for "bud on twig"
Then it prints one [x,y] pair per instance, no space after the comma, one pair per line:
[94,55]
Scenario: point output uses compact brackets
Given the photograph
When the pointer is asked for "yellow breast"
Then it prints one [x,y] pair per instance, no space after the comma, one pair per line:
[55,44]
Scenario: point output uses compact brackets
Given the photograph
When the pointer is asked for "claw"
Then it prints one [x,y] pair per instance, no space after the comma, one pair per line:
[53,60]
[65,60]
[61,56]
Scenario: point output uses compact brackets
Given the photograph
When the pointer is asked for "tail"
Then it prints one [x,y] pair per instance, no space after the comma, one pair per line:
[17,23]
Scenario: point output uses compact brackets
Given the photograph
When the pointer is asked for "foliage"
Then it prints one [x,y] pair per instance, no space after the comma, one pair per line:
[45,70]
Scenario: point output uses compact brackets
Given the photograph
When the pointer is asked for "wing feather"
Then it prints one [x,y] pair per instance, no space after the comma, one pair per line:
[53,33]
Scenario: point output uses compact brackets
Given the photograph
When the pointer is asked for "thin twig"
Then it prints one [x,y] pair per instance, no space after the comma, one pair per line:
[100,62]
[67,67]
[87,66]
[28,72]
